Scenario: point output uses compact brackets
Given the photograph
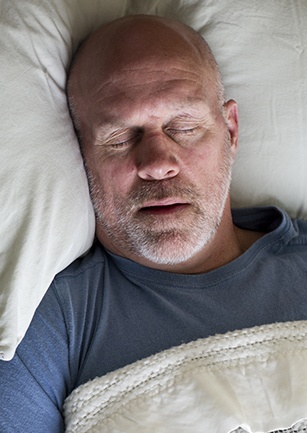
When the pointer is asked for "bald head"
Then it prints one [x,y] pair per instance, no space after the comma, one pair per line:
[115,50]
[157,139]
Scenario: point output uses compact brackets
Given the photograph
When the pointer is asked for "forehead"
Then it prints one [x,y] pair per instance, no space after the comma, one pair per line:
[128,66]
[148,89]
[140,74]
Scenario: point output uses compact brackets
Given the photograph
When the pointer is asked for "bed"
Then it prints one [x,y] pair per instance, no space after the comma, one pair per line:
[47,219]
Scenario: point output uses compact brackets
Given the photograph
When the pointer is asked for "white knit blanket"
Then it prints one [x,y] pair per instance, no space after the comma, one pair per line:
[254,380]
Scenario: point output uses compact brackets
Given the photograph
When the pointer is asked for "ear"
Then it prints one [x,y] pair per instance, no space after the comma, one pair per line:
[232,123]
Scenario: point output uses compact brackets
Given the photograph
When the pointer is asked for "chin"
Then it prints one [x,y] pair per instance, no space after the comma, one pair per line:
[174,250]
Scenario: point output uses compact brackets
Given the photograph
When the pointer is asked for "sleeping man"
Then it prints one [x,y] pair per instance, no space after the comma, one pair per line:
[172,262]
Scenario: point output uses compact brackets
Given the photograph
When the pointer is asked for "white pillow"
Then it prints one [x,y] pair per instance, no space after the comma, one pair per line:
[46,215]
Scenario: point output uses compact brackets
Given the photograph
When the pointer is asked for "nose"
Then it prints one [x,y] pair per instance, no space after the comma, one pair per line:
[156,158]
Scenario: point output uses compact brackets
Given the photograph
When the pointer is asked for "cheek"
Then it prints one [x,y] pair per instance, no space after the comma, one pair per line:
[208,160]
[114,178]
[201,157]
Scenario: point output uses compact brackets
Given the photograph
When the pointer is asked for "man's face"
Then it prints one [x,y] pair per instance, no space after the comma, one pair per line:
[158,154]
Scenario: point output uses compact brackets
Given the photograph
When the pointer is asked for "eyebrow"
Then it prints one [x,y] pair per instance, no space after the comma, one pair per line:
[109,127]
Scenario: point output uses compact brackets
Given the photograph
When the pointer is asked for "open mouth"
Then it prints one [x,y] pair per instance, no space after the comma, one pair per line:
[164,209]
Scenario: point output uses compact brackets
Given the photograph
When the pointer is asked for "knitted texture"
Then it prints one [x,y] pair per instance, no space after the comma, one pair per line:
[253,379]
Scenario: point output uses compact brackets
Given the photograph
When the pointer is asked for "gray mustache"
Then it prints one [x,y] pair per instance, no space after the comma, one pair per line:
[159,190]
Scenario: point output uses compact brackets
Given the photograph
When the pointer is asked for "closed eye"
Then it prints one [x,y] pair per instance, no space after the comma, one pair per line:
[183,127]
[187,130]
[127,142]
[179,131]
[122,144]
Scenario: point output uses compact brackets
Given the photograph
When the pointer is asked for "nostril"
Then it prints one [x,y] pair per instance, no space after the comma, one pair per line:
[158,171]
[158,168]
[156,158]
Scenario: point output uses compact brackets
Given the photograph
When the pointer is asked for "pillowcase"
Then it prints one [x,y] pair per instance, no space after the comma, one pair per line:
[47,218]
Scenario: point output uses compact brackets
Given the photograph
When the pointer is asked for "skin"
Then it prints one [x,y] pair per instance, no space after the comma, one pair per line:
[158,143]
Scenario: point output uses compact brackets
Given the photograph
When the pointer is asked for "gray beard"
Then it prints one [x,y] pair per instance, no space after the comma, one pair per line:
[147,236]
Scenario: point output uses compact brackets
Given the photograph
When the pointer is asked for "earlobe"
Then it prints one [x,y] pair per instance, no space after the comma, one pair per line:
[232,122]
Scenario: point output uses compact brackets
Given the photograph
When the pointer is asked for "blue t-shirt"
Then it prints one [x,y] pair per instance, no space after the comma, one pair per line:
[104,312]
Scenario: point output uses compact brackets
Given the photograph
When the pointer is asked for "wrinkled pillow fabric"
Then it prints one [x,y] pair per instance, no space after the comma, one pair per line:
[47,219]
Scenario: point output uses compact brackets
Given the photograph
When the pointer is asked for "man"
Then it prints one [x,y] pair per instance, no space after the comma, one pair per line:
[158,141]
[171,263]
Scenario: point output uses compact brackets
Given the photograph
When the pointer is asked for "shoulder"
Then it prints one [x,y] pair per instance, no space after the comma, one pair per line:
[300,227]
[85,265]
[269,219]
[81,284]
[73,296]
[84,272]
[282,233]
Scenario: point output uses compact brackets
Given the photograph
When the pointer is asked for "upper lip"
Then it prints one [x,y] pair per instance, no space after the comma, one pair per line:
[163,202]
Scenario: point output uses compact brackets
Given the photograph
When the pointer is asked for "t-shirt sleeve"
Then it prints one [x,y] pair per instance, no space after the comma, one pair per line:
[36,382]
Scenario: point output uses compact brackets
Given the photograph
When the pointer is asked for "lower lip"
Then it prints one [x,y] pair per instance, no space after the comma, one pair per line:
[164,210]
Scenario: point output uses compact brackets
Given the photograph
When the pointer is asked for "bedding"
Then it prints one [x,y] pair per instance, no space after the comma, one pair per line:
[47,219]
[246,381]
[46,216]
[249,381]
